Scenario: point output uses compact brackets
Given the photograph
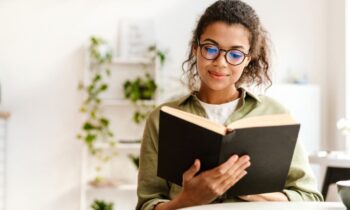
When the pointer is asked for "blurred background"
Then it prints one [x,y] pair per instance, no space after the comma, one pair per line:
[73,72]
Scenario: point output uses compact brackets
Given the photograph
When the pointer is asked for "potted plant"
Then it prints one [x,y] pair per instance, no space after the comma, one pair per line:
[137,91]
[101,205]
[140,88]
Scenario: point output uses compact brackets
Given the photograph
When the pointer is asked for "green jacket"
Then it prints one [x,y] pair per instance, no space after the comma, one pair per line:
[300,184]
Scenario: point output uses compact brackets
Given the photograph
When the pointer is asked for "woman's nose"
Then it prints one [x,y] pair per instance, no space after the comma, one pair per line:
[221,60]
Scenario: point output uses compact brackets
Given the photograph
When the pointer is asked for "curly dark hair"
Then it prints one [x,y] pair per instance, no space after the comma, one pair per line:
[234,12]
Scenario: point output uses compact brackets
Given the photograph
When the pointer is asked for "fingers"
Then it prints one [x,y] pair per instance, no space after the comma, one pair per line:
[224,167]
[274,196]
[252,198]
[229,182]
[234,173]
[229,167]
[221,178]
[240,166]
[191,172]
[246,197]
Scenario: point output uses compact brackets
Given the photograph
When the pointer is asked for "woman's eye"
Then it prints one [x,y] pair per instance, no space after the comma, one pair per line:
[236,54]
[211,49]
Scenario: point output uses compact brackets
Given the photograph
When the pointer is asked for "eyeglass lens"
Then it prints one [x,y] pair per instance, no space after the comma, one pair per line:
[211,52]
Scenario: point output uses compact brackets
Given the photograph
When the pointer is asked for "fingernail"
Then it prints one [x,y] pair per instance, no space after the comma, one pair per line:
[234,157]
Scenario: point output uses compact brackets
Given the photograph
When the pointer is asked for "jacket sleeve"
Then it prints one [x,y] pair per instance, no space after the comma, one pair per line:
[301,184]
[151,189]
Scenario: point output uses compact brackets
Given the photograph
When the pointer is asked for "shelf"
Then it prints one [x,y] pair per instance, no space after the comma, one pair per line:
[128,61]
[129,146]
[119,187]
[122,171]
[135,61]
[124,102]
[334,158]
[133,148]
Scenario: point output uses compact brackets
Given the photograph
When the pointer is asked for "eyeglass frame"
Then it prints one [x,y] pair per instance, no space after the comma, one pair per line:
[221,50]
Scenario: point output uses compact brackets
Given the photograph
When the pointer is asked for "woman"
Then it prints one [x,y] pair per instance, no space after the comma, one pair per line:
[229,49]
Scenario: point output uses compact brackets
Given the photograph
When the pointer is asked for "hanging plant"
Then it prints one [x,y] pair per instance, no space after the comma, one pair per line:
[95,128]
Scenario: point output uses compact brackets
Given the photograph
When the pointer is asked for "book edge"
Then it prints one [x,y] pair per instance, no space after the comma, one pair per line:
[195,119]
[263,121]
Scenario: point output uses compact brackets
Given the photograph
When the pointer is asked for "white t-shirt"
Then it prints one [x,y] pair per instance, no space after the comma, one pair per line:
[219,112]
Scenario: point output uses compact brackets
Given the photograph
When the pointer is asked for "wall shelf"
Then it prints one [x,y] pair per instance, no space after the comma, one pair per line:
[125,148]
[119,187]
[124,102]
[119,112]
[136,61]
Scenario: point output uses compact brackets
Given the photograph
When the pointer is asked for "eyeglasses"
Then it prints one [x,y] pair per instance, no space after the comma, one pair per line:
[212,52]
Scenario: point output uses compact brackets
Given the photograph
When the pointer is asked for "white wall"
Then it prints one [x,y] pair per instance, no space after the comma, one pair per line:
[347,61]
[335,78]
[41,62]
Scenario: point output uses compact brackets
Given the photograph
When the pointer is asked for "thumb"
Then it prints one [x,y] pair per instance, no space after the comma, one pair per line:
[191,172]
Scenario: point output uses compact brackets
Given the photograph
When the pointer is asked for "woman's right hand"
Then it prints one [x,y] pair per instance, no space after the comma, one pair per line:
[207,186]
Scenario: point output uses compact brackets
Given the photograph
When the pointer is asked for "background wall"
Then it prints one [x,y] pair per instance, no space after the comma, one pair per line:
[335,78]
[41,62]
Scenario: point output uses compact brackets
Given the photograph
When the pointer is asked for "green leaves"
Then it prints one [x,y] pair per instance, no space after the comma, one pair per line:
[96,125]
[104,122]
[135,160]
[140,88]
[90,138]
[161,56]
[153,50]
[101,205]
[100,52]
[103,87]
[138,116]
[97,78]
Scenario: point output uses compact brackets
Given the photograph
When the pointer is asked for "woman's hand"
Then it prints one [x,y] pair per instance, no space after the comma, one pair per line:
[275,196]
[207,186]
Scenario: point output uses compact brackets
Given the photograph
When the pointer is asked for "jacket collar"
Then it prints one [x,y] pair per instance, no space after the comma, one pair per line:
[245,94]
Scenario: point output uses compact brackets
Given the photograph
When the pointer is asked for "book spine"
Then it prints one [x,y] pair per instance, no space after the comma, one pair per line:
[225,151]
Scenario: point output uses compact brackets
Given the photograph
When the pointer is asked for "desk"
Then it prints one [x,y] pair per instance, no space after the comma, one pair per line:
[335,165]
[272,206]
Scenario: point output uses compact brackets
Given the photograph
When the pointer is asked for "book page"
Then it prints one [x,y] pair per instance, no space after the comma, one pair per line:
[195,119]
[263,121]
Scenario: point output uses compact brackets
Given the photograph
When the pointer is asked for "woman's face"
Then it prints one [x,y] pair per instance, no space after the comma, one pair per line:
[216,73]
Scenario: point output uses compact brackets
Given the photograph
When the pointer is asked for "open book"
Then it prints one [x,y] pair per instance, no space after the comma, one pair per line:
[269,140]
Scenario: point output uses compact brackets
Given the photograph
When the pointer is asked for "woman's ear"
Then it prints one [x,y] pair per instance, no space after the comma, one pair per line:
[194,50]
[248,59]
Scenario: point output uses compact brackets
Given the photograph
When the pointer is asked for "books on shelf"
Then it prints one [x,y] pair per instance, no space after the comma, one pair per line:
[269,141]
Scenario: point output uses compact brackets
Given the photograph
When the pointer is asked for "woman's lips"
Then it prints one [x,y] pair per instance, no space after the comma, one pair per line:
[217,75]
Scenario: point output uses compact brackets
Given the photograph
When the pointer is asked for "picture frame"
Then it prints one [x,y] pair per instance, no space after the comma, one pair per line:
[136,36]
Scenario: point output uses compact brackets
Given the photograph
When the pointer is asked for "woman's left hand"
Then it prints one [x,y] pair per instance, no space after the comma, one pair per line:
[275,196]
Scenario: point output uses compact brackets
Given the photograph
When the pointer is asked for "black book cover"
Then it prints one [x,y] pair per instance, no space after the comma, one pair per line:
[270,149]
